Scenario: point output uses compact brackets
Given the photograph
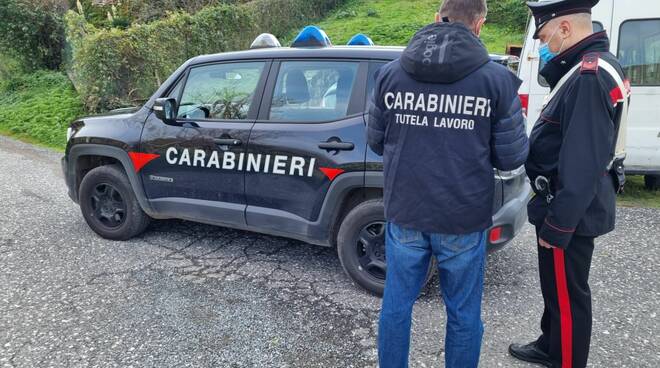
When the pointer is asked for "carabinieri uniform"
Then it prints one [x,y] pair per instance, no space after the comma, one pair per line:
[570,167]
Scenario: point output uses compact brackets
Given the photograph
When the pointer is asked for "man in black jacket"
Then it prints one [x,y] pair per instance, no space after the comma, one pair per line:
[575,166]
[443,116]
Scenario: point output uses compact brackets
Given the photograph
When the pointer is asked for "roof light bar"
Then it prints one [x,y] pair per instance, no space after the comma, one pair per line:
[360,40]
[264,41]
[312,36]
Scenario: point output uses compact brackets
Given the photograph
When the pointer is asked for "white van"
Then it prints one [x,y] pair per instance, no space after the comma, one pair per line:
[634,30]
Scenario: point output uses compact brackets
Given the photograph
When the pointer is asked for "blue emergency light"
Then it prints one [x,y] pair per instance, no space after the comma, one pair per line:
[360,40]
[312,36]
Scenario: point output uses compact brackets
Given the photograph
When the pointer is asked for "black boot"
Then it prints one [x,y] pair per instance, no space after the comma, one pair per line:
[530,353]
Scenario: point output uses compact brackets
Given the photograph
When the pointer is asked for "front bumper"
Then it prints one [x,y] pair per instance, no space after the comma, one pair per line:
[509,220]
[68,179]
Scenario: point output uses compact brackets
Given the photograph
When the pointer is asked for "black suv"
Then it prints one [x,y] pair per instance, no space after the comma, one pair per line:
[270,140]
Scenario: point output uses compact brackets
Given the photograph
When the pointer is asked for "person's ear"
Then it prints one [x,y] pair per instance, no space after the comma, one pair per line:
[479,26]
[565,29]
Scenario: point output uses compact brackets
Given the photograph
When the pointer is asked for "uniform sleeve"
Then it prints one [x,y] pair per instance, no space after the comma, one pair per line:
[376,122]
[588,134]
[509,142]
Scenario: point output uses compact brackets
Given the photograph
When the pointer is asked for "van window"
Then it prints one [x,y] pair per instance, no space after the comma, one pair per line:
[598,27]
[313,91]
[639,51]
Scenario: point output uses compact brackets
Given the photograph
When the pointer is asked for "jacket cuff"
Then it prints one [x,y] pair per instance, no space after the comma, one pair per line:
[555,235]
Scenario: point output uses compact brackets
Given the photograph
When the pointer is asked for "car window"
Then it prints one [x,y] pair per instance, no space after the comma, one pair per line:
[639,51]
[176,91]
[371,82]
[313,91]
[597,28]
[220,91]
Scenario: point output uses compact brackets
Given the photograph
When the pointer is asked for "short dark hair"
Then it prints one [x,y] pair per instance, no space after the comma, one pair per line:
[467,12]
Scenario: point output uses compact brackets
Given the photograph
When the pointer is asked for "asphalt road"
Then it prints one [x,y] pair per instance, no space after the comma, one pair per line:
[189,295]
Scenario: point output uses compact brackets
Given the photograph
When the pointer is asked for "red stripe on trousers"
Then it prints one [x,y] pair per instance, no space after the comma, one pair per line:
[566,317]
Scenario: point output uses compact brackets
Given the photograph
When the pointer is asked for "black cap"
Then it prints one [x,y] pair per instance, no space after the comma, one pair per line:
[545,11]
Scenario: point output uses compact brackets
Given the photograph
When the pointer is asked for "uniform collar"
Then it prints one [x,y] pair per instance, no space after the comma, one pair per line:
[564,62]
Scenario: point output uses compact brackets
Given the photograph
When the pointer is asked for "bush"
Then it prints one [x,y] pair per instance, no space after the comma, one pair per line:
[114,68]
[279,17]
[39,107]
[510,13]
[32,32]
[346,14]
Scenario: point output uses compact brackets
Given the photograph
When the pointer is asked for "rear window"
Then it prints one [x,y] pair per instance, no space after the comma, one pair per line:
[313,91]
[639,51]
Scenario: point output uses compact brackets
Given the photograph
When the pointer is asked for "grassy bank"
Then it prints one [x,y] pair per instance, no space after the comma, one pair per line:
[636,195]
[38,107]
[393,22]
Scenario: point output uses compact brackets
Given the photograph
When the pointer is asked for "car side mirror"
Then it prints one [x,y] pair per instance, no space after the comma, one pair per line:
[165,110]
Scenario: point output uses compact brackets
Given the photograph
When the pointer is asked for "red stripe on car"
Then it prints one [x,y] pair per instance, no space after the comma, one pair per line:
[141,159]
[331,173]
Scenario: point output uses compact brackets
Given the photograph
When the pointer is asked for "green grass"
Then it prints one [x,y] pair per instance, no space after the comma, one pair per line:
[636,195]
[394,22]
[38,107]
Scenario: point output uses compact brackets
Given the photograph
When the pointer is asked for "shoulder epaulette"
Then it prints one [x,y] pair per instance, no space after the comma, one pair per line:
[590,63]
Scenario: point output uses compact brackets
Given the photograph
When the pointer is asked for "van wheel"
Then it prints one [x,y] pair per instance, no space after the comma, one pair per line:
[109,206]
[652,182]
[361,246]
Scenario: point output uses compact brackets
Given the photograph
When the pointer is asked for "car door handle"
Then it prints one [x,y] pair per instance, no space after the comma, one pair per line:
[227,142]
[337,146]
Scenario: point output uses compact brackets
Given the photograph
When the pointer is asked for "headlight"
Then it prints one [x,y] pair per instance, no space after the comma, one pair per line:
[69,133]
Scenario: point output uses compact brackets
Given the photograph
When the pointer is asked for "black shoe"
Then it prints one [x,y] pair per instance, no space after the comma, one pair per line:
[530,353]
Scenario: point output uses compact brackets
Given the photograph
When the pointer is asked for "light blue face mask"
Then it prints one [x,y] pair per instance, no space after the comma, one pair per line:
[545,54]
[544,50]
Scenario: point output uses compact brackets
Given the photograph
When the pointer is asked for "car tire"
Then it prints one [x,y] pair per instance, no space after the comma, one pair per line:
[652,182]
[355,254]
[109,206]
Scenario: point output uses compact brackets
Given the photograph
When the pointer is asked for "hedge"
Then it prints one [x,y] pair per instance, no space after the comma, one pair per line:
[32,33]
[509,13]
[114,67]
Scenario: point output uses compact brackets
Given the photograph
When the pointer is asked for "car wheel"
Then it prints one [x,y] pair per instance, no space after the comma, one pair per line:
[109,206]
[652,182]
[361,246]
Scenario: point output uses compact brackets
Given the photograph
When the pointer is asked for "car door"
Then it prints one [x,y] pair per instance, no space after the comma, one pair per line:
[636,42]
[198,171]
[310,131]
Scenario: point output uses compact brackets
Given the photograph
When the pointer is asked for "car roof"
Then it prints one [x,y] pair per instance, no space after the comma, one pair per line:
[386,53]
[333,52]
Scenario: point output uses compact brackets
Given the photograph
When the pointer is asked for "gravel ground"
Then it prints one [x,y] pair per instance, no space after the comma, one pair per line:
[190,295]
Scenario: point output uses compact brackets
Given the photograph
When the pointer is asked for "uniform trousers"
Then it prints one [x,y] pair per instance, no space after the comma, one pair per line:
[567,316]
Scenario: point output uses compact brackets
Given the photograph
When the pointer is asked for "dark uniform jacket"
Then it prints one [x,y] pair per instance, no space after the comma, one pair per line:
[442,116]
[572,144]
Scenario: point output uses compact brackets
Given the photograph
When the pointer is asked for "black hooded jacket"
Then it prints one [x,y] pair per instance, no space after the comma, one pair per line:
[442,116]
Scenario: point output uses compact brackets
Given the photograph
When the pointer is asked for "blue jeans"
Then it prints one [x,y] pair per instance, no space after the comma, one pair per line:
[461,261]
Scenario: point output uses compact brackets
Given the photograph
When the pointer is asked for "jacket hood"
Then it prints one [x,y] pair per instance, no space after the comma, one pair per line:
[443,53]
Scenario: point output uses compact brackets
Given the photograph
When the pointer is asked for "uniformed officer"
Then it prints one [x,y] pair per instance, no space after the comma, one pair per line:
[575,167]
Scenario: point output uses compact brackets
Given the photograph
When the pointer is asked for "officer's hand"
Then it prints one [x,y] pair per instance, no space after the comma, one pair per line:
[545,244]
